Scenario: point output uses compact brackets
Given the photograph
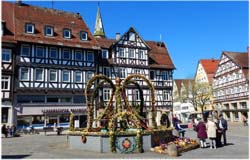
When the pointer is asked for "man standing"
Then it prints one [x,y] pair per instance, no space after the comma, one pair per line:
[223,128]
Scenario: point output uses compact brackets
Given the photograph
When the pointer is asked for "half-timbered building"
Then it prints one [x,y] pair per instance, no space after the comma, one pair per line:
[8,67]
[55,58]
[130,54]
[231,85]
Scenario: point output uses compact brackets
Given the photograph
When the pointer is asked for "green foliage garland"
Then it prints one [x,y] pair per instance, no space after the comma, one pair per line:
[139,141]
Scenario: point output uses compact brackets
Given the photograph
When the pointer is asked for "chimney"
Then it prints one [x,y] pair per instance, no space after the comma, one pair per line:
[19,2]
[212,59]
[117,36]
[248,51]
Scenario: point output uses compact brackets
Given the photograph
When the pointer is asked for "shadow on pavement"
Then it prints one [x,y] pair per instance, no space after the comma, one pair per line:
[15,156]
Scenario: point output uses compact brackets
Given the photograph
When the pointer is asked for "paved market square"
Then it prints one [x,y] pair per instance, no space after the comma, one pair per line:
[53,146]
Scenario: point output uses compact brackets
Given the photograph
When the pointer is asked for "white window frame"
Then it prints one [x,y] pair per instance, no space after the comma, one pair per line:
[66,30]
[89,75]
[6,80]
[131,53]
[20,74]
[164,75]
[64,53]
[55,49]
[141,54]
[36,75]
[53,71]
[137,95]
[6,52]
[122,53]
[131,36]
[27,25]
[165,95]
[106,94]
[122,72]
[104,54]
[107,70]
[52,31]
[80,53]
[80,73]
[25,46]
[81,36]
[92,55]
[65,72]
[40,47]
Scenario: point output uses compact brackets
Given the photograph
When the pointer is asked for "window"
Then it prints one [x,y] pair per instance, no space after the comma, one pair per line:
[106,71]
[66,100]
[122,72]
[137,71]
[53,52]
[164,75]
[121,52]
[105,54]
[90,57]
[39,74]
[25,50]
[84,36]
[78,55]
[78,76]
[88,76]
[5,83]
[67,33]
[24,74]
[6,55]
[132,36]
[52,99]
[30,28]
[53,75]
[49,31]
[131,53]
[165,96]
[236,115]
[66,54]
[141,54]
[66,76]
[152,74]
[137,95]
[39,51]
[106,94]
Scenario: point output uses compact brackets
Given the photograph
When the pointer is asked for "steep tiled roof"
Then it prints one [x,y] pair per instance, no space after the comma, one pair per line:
[159,54]
[8,21]
[185,82]
[210,66]
[43,16]
[240,58]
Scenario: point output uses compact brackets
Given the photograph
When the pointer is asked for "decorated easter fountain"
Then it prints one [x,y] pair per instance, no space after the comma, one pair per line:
[123,129]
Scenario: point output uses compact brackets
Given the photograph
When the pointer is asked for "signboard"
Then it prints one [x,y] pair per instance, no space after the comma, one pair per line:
[77,124]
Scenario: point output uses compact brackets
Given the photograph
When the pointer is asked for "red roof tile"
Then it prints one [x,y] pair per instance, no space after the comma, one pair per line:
[43,16]
[240,58]
[210,67]
[8,19]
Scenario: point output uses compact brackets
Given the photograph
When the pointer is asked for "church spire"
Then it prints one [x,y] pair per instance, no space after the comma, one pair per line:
[99,30]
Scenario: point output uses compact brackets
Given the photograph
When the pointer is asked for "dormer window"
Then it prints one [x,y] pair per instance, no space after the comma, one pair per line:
[104,54]
[49,31]
[30,28]
[67,33]
[83,36]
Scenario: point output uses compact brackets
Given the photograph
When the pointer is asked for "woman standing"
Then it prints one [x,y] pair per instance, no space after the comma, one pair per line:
[201,133]
[211,132]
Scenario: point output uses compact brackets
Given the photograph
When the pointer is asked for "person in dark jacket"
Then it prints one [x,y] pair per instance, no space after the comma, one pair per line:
[222,125]
[201,133]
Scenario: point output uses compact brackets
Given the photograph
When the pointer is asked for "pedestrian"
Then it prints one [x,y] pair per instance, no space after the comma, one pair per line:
[179,129]
[4,131]
[223,128]
[201,133]
[7,130]
[244,120]
[211,132]
[13,130]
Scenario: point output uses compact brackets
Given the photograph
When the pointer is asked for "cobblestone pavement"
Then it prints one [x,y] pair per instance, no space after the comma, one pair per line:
[53,146]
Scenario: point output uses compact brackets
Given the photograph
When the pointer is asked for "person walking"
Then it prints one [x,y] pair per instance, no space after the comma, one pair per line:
[244,120]
[211,132]
[223,128]
[4,131]
[179,129]
[201,133]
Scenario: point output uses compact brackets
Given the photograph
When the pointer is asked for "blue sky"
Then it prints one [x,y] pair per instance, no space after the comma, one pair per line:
[191,30]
